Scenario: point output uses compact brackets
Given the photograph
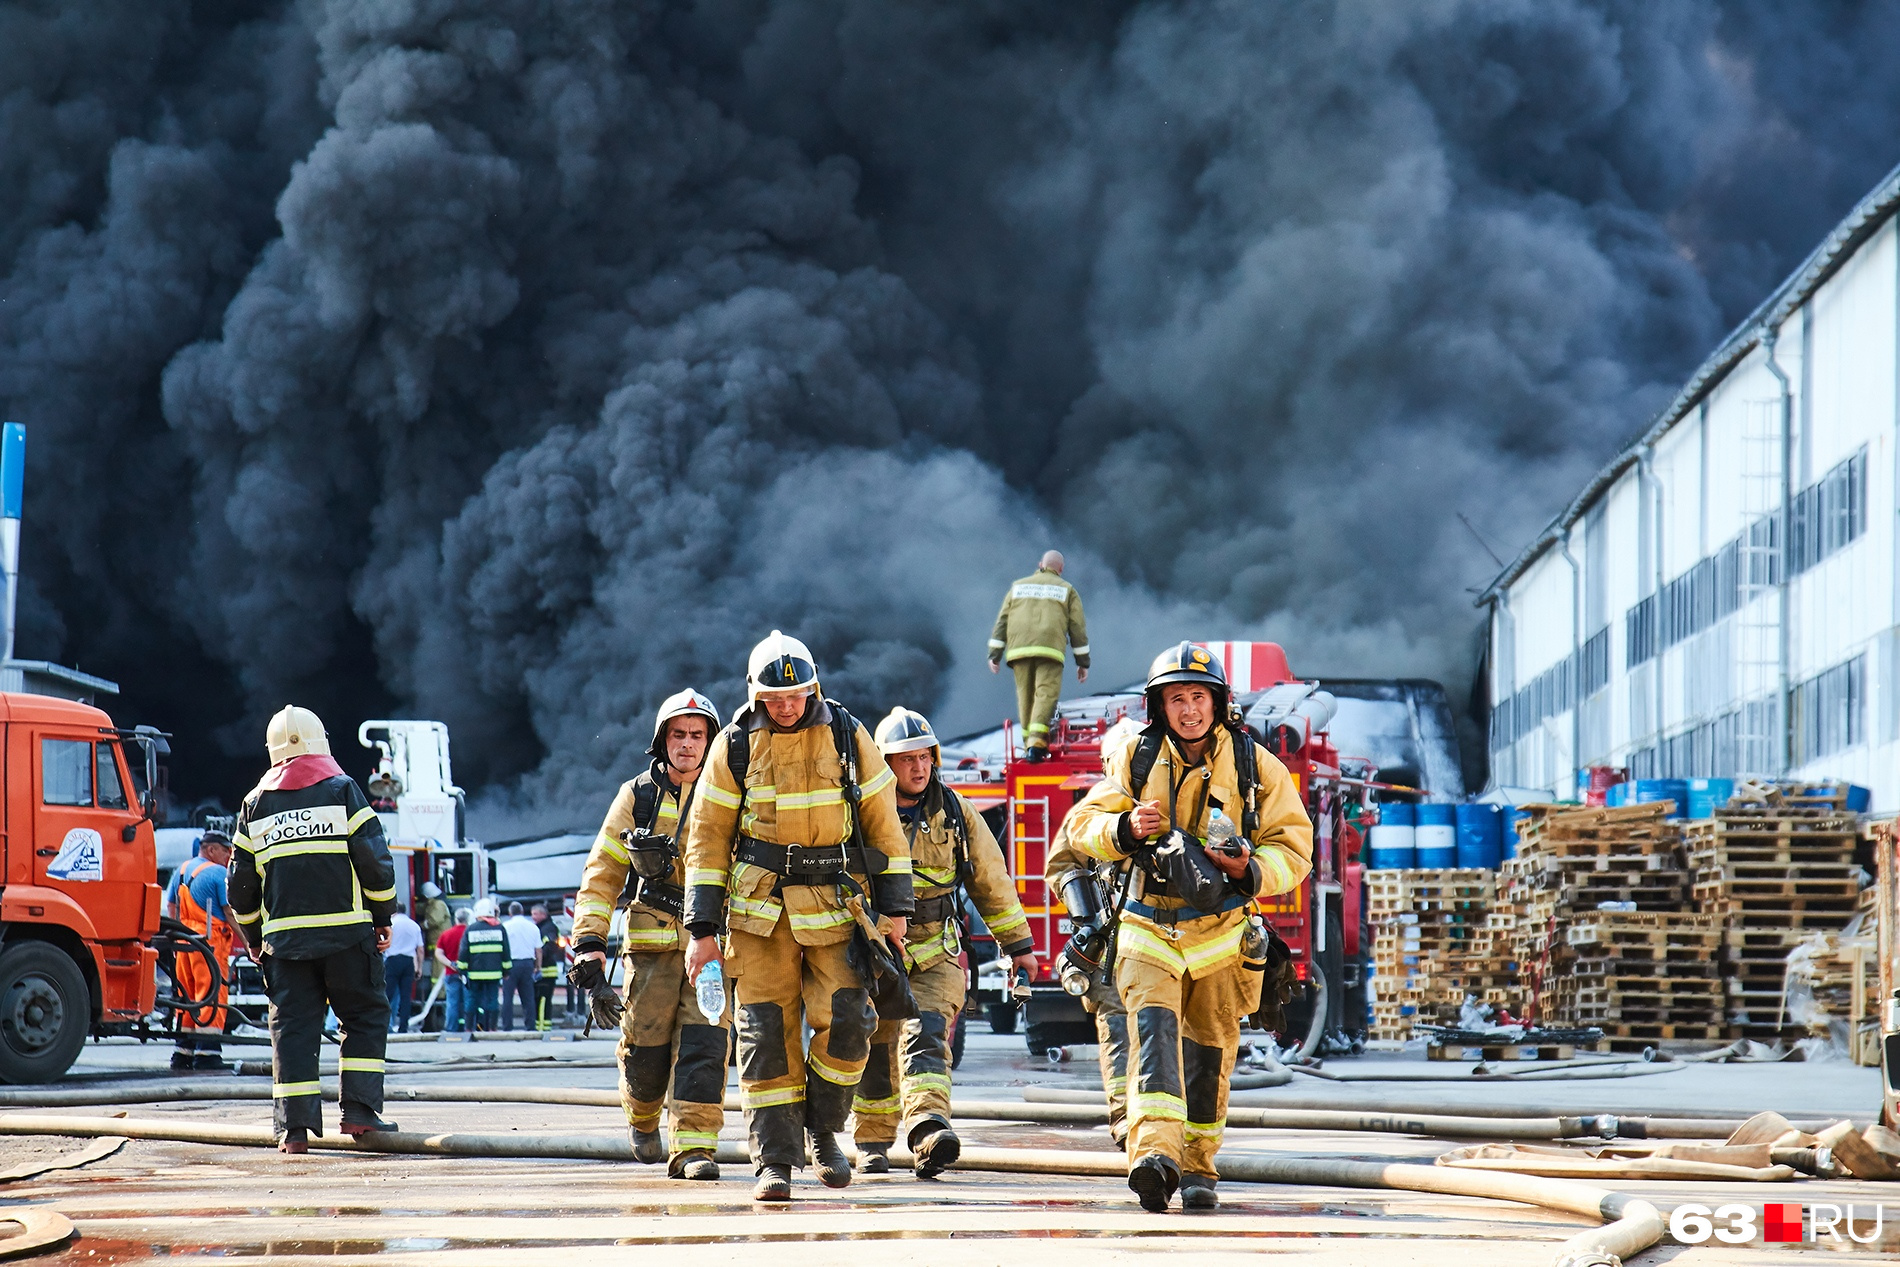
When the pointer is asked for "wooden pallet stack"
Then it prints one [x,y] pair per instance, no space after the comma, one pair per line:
[1428,946]
[1570,862]
[1833,984]
[1777,870]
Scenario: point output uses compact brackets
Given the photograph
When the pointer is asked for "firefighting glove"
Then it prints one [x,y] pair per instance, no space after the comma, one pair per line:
[603,1009]
[586,973]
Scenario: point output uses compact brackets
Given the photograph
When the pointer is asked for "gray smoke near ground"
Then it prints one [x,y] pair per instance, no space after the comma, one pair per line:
[515,364]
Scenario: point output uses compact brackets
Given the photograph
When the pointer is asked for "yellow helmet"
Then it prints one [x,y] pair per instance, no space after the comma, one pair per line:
[780,665]
[904,730]
[295,732]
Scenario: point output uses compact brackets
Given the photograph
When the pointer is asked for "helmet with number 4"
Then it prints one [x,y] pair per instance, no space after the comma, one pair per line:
[780,665]
[687,703]
[906,731]
[1190,663]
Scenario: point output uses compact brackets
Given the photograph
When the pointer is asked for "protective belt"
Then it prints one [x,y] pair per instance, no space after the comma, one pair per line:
[810,864]
[1180,914]
[668,899]
[935,910]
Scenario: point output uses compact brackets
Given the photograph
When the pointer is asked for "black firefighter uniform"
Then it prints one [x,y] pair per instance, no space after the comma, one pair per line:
[919,1085]
[768,876]
[1040,615]
[311,881]
[1102,1002]
[664,1037]
[1179,969]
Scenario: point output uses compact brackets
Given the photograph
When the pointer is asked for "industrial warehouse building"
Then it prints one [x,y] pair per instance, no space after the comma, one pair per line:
[1723,598]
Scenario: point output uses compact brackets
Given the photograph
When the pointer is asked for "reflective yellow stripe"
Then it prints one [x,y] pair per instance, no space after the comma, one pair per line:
[285,1090]
[684,1141]
[484,976]
[1005,927]
[755,1099]
[1140,939]
[357,819]
[817,919]
[1116,1086]
[1277,872]
[898,864]
[876,1107]
[658,938]
[1040,653]
[380,895]
[832,1073]
[1158,1105]
[936,875]
[1036,728]
[812,800]
[611,847]
[1081,650]
[997,644]
[271,853]
[359,1064]
[1201,956]
[706,875]
[592,906]
[337,920]
[763,792]
[927,1082]
[761,908]
[1206,1130]
[252,918]
[719,796]
[241,843]
[879,781]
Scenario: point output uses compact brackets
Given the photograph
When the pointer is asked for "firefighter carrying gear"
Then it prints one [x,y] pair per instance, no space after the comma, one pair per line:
[1040,615]
[665,1040]
[768,854]
[951,848]
[311,880]
[1178,968]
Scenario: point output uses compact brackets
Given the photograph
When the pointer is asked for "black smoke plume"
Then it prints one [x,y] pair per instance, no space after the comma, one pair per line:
[516,363]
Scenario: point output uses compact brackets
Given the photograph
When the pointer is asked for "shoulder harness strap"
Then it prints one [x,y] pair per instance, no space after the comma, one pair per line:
[1142,763]
[646,801]
[959,834]
[1247,772]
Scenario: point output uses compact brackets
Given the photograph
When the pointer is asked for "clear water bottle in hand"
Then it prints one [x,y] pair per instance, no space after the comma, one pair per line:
[711,989]
[1221,833]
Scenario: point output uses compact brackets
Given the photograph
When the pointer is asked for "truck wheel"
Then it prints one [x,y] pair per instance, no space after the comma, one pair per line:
[45,1012]
[1003,1018]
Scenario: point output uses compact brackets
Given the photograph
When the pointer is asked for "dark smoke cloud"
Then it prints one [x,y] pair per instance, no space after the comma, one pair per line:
[515,363]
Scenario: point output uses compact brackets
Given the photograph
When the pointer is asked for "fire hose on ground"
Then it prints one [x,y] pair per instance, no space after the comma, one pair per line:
[1630,1224]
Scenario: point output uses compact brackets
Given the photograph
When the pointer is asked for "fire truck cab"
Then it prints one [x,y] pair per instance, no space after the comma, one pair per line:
[80,901]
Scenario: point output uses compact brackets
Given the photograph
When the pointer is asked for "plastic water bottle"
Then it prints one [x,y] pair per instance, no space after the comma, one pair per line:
[711,988]
[1220,830]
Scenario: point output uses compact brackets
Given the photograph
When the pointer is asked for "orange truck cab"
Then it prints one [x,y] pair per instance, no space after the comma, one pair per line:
[79,906]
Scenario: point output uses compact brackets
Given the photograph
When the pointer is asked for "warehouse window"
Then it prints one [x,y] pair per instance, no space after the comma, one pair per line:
[1639,633]
[1828,711]
[1828,515]
[1596,662]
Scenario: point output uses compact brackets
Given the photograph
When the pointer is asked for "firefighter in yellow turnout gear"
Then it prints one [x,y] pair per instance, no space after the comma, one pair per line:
[777,857]
[950,848]
[665,1040]
[1079,881]
[1040,614]
[1178,961]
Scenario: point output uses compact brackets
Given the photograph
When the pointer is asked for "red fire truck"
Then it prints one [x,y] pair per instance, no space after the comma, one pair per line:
[1402,727]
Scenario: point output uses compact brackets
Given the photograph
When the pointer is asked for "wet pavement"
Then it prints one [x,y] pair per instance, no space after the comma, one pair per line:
[156,1200]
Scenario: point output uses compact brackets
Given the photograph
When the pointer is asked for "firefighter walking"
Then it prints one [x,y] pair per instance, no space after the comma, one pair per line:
[951,848]
[1193,774]
[199,898]
[1040,614]
[665,1040]
[793,825]
[313,889]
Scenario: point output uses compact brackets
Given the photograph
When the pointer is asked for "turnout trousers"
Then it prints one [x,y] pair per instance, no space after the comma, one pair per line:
[781,988]
[909,1069]
[666,1041]
[1038,686]
[1186,1035]
[1111,1039]
[349,983]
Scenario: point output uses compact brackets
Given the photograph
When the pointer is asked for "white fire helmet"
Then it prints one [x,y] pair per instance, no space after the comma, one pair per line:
[907,731]
[431,890]
[1116,735]
[780,665]
[487,909]
[295,732]
[687,703]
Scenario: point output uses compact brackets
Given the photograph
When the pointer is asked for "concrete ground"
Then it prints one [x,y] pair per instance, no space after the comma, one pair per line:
[162,1200]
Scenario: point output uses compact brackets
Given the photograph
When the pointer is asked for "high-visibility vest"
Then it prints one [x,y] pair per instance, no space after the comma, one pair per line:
[484,954]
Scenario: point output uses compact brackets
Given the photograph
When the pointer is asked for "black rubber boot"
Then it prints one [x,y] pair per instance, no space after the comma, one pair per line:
[1197,1193]
[295,1140]
[648,1148]
[934,1148]
[775,1184]
[359,1120]
[182,1060]
[1153,1179]
[874,1159]
[834,1168]
[694,1166]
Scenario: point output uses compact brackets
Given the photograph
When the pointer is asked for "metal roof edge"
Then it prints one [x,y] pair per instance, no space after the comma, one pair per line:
[1861,223]
[59,672]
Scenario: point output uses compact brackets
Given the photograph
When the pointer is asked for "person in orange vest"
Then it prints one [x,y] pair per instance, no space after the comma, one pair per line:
[197,898]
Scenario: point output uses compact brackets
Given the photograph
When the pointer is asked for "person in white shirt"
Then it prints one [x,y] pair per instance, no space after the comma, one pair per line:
[524,945]
[402,960]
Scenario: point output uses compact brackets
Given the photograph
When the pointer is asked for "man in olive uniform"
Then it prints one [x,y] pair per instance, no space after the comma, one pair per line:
[950,848]
[1073,877]
[1178,964]
[781,859]
[1040,614]
[435,920]
[664,1037]
[313,889]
